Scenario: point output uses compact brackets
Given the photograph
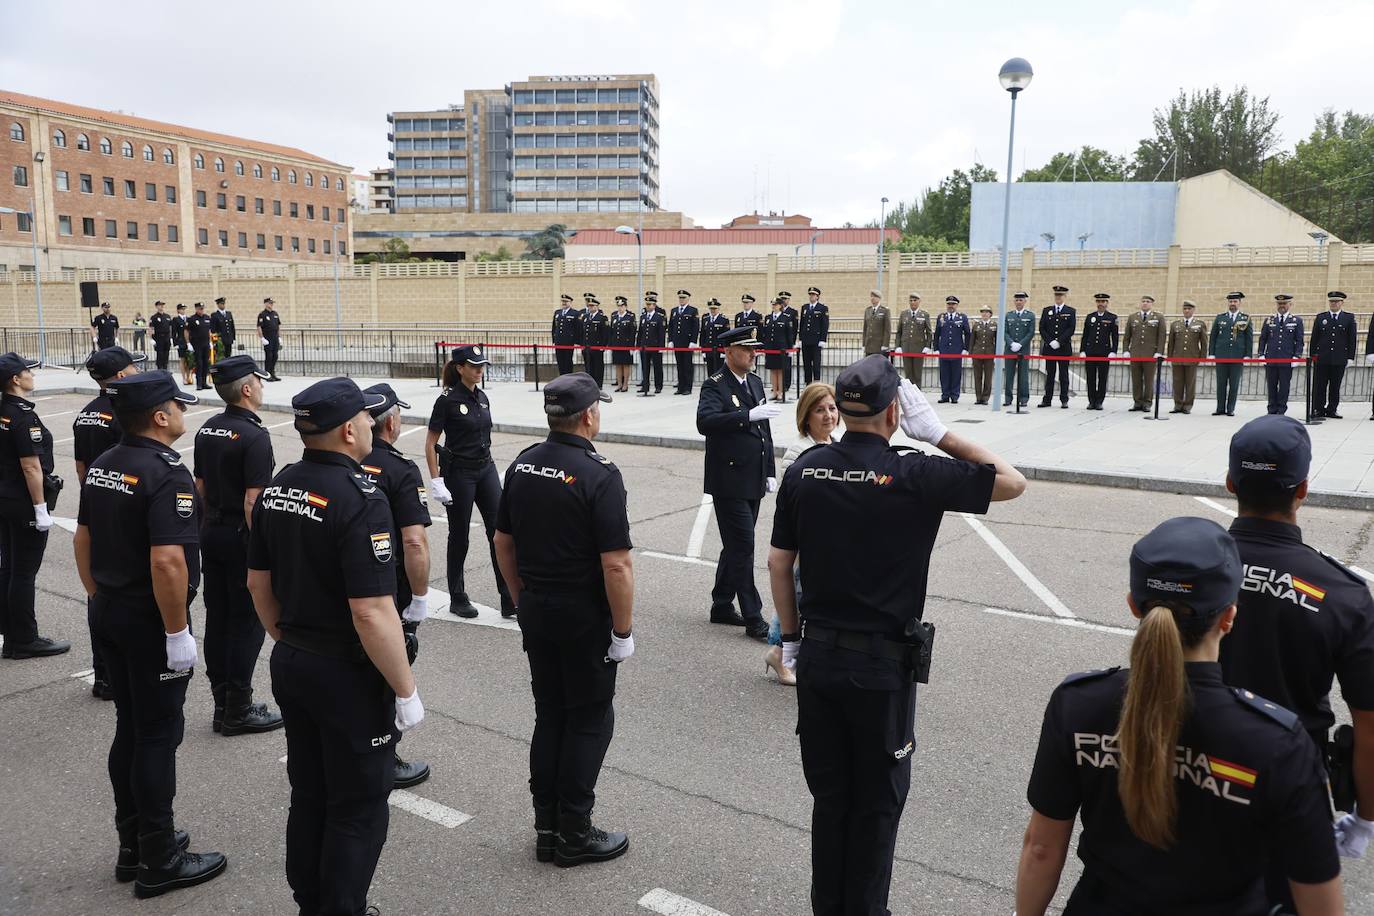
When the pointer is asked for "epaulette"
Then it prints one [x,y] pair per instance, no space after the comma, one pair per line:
[362,483]
[172,458]
[600,458]
[900,449]
[718,376]
[1345,570]
[446,392]
[809,449]
[1286,718]
[1085,676]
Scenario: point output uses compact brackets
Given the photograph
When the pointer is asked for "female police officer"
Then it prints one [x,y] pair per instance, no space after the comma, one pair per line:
[1187,787]
[25,468]
[461,473]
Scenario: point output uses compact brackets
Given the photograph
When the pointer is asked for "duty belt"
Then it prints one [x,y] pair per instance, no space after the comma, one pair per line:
[867,643]
[216,517]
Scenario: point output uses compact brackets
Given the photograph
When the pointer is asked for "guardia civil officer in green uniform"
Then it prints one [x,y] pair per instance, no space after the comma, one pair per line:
[1232,337]
[321,567]
[563,542]
[1019,331]
[1187,787]
[861,645]
[137,552]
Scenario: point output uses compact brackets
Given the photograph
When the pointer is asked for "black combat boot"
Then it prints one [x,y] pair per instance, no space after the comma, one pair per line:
[545,832]
[242,715]
[162,867]
[580,842]
[409,773]
[217,718]
[126,866]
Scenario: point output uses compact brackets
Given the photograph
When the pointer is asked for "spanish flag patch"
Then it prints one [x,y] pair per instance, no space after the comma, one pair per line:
[1232,772]
[1308,589]
[316,500]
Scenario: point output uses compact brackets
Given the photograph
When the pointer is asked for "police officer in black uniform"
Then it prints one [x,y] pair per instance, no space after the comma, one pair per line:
[233,464]
[269,326]
[222,324]
[322,570]
[733,415]
[863,596]
[814,330]
[399,480]
[563,541]
[184,356]
[566,332]
[198,336]
[461,471]
[95,430]
[1057,325]
[1101,337]
[1333,348]
[622,338]
[596,334]
[793,329]
[1187,787]
[136,547]
[713,324]
[105,327]
[650,337]
[161,325]
[684,324]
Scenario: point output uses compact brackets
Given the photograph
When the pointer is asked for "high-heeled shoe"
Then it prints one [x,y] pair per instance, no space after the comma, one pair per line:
[773,659]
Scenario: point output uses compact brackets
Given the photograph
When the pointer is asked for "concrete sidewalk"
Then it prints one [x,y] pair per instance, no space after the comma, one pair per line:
[1112,447]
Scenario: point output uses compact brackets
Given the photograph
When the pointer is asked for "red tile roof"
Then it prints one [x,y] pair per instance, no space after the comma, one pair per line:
[760,236]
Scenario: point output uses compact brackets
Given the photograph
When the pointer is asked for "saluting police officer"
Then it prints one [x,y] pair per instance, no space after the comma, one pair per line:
[105,327]
[563,541]
[161,325]
[399,480]
[269,326]
[1281,339]
[733,415]
[566,332]
[322,570]
[222,325]
[198,335]
[233,464]
[814,331]
[865,645]
[1187,787]
[1333,348]
[1101,336]
[712,326]
[683,327]
[136,546]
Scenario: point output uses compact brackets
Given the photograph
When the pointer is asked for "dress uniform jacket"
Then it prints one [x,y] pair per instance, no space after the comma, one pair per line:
[983,337]
[622,334]
[814,324]
[952,332]
[1232,336]
[913,331]
[751,318]
[1057,324]
[711,328]
[1020,330]
[739,453]
[222,323]
[1187,338]
[1281,337]
[683,326]
[652,328]
[1101,334]
[877,328]
[596,329]
[566,328]
[1333,338]
[1146,334]
[179,334]
[774,334]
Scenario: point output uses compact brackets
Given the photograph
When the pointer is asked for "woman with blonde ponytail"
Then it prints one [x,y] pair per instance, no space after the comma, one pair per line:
[1188,789]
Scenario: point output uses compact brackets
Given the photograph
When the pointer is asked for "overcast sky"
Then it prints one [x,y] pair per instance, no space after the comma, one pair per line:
[813,106]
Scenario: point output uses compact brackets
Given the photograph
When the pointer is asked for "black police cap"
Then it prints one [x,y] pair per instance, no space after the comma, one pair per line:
[392,399]
[683,292]
[746,336]
[1105,296]
[147,389]
[103,364]
[713,303]
[234,368]
[867,387]
[1335,294]
[623,299]
[181,306]
[1190,561]
[1273,448]
[951,300]
[1283,297]
[219,300]
[814,289]
[746,298]
[566,298]
[471,354]
[330,403]
[1020,295]
[11,364]
[1061,289]
[1235,295]
[784,295]
[572,392]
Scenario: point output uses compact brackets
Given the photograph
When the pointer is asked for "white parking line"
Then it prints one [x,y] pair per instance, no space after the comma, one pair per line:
[698,534]
[66,524]
[88,676]
[1213,504]
[1025,575]
[414,429]
[442,815]
[697,561]
[667,903]
[1060,621]
[281,424]
[440,602]
[1368,576]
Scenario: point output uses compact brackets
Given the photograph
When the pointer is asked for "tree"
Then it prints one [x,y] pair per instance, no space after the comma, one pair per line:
[1329,177]
[500,254]
[547,243]
[394,251]
[925,243]
[943,212]
[1206,131]
[1086,164]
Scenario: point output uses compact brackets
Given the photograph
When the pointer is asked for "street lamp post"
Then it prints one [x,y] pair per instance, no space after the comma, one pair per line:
[882,218]
[639,244]
[338,306]
[1014,76]
[1049,238]
[37,274]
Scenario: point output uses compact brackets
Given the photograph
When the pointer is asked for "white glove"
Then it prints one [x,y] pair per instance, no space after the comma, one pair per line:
[1158,355]
[181,650]
[1082,353]
[789,653]
[439,490]
[929,351]
[918,418]
[963,353]
[410,712]
[1015,348]
[265,344]
[772,484]
[763,412]
[1369,358]
[417,610]
[620,649]
[41,519]
[1054,345]
[1350,362]
[1111,355]
[820,343]
[1353,834]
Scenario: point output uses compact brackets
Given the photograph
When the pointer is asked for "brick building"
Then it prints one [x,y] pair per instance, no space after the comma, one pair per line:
[116,191]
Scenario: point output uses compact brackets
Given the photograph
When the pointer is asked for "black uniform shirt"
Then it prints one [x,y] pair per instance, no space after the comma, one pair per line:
[198,330]
[622,329]
[564,504]
[324,532]
[222,323]
[854,576]
[161,325]
[653,328]
[1303,617]
[463,415]
[269,323]
[136,496]
[105,328]
[233,454]
[399,480]
[22,435]
[95,430]
[1251,789]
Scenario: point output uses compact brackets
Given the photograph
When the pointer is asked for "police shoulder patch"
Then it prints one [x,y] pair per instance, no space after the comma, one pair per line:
[1288,719]
[1082,677]
[381,546]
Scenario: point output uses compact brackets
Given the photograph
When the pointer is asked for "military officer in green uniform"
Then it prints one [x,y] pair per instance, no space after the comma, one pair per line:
[914,336]
[983,344]
[1020,329]
[877,323]
[1144,341]
[1231,338]
[1187,340]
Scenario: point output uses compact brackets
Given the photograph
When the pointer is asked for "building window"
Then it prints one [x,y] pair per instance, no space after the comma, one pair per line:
[296,244]
[111,229]
[21,176]
[291,176]
[257,170]
[238,167]
[262,242]
[258,206]
[126,149]
[105,146]
[88,227]
[130,190]
[148,153]
[150,191]
[276,241]
[309,211]
[221,202]
[171,195]
[16,131]
[86,186]
[167,157]
[108,185]
[152,232]
[219,164]
[62,181]
[276,208]
[310,245]
[172,234]
[295,210]
[131,229]
[339,186]
[59,139]
[309,180]
[326,246]
[83,142]
[241,203]
[243,240]
[224,238]
[199,161]
[200,198]
[276,173]
[325,215]
[203,237]
[343,248]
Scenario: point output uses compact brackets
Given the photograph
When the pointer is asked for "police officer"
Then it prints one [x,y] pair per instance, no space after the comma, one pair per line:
[563,541]
[814,331]
[983,343]
[1281,339]
[1187,787]
[952,335]
[596,334]
[269,326]
[1304,617]
[1187,343]
[684,325]
[1019,332]
[913,336]
[161,325]
[322,570]
[1232,338]
[136,551]
[198,335]
[863,596]
[1101,337]
[27,487]
[105,327]
[222,325]
[773,339]
[651,335]
[793,329]
[622,338]
[566,332]
[747,316]
[399,480]
[733,415]
[712,326]
[184,355]
[1057,324]
[1145,341]
[94,431]
[233,464]
[461,471]
[1333,348]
